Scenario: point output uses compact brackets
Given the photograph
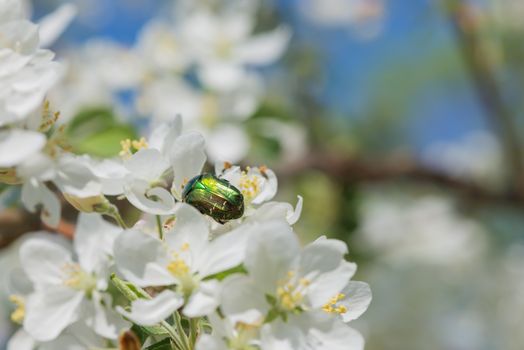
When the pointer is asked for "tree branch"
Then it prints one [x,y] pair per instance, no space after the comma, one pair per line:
[346,170]
[466,27]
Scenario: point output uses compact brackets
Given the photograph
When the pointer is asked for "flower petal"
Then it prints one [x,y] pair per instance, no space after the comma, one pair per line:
[242,301]
[148,312]
[21,340]
[156,200]
[273,248]
[54,24]
[204,301]
[43,261]
[190,229]
[142,259]
[224,252]
[187,159]
[94,238]
[50,311]
[264,48]
[26,143]
[357,299]
[35,194]
[208,342]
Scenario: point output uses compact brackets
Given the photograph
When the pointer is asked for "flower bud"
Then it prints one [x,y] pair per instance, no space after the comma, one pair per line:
[129,341]
[8,176]
[93,204]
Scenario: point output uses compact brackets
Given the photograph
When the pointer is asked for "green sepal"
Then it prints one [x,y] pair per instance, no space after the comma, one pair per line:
[164,344]
[132,293]
[129,290]
[222,275]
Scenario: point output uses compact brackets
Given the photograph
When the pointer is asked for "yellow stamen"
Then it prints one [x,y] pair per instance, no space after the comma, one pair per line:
[130,147]
[331,306]
[18,315]
[249,186]
[290,292]
[178,267]
[77,278]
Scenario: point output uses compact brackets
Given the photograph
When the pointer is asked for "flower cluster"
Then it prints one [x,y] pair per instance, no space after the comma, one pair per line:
[212,262]
[202,60]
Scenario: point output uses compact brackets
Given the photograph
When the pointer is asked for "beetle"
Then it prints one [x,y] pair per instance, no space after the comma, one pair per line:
[214,197]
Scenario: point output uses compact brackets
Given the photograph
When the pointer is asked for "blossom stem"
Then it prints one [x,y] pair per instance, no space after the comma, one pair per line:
[115,214]
[194,330]
[180,328]
[174,336]
[159,227]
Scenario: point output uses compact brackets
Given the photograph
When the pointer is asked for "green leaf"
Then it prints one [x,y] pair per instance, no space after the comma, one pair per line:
[97,132]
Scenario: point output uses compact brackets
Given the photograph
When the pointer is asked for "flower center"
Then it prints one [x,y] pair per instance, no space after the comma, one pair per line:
[130,147]
[77,278]
[291,291]
[179,268]
[332,306]
[249,185]
[18,315]
[245,333]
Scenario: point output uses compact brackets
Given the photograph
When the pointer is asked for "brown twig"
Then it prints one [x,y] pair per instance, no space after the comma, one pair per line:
[346,170]
[466,26]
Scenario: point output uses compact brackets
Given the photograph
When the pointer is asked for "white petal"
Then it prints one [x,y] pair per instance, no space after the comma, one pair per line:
[187,159]
[190,228]
[264,48]
[94,238]
[142,259]
[103,319]
[156,200]
[203,301]
[43,261]
[147,164]
[164,135]
[310,331]
[148,312]
[321,256]
[241,301]
[222,76]
[111,174]
[26,143]
[75,177]
[21,340]
[357,300]
[278,211]
[228,142]
[50,311]
[273,248]
[35,194]
[52,25]
[329,284]
[224,252]
[269,187]
[208,342]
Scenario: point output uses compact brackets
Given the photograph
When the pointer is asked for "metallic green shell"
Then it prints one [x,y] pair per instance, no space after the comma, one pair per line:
[214,197]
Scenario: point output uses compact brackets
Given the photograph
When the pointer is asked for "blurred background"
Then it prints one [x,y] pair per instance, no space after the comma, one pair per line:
[399,122]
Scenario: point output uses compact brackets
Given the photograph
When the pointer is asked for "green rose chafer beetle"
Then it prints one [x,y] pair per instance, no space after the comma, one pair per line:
[214,197]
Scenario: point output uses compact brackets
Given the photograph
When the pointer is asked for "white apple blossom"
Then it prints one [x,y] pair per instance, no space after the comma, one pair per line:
[153,176]
[66,290]
[183,258]
[225,46]
[26,71]
[295,296]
